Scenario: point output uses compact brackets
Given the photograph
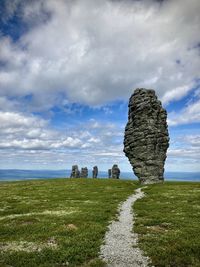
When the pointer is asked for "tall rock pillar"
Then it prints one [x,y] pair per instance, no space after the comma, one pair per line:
[146,136]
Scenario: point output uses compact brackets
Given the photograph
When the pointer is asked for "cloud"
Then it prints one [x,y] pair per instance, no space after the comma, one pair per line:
[187,115]
[183,153]
[20,131]
[39,144]
[33,142]
[193,140]
[94,140]
[28,132]
[16,120]
[30,140]
[6,104]
[94,52]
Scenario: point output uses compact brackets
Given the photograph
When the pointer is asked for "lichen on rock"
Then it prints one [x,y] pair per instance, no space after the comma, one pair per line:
[146,136]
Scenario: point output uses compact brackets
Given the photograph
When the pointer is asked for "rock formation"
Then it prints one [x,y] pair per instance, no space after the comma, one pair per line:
[95,172]
[109,173]
[75,172]
[84,172]
[146,136]
[115,172]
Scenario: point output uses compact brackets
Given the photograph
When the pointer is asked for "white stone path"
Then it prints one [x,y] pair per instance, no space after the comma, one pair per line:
[120,248]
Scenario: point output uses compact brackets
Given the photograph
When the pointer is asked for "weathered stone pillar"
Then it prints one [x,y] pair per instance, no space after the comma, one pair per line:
[115,172]
[109,173]
[95,172]
[84,172]
[146,136]
[75,172]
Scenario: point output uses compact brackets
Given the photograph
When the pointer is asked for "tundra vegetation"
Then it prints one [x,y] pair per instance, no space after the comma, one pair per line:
[62,222]
[58,222]
[168,225]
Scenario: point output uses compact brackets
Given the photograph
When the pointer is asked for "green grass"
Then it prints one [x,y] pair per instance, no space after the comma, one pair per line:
[168,224]
[58,222]
[62,222]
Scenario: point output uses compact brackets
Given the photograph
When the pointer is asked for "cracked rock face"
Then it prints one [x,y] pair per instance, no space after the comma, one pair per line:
[146,136]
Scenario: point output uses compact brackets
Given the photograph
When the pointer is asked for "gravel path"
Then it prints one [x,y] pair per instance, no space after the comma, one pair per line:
[120,248]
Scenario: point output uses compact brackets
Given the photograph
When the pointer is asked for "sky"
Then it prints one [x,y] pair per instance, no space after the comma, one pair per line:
[68,68]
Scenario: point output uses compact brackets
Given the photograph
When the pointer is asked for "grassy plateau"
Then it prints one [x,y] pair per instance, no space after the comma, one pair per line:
[58,222]
[62,222]
[168,224]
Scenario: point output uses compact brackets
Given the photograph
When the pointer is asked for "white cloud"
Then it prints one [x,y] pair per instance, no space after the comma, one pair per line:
[27,132]
[177,93]
[20,131]
[40,144]
[112,154]
[97,51]
[183,153]
[193,140]
[29,141]
[94,140]
[71,142]
[9,120]
[35,145]
[189,114]
[93,52]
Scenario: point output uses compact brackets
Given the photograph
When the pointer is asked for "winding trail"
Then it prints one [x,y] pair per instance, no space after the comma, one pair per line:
[120,248]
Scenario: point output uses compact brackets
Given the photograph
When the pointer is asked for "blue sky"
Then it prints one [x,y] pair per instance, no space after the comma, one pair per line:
[68,68]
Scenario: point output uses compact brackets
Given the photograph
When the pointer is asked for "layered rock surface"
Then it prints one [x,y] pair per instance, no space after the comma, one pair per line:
[146,136]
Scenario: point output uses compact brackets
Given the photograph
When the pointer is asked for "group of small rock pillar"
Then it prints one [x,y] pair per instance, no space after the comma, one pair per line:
[83,173]
[79,174]
[113,173]
[95,172]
